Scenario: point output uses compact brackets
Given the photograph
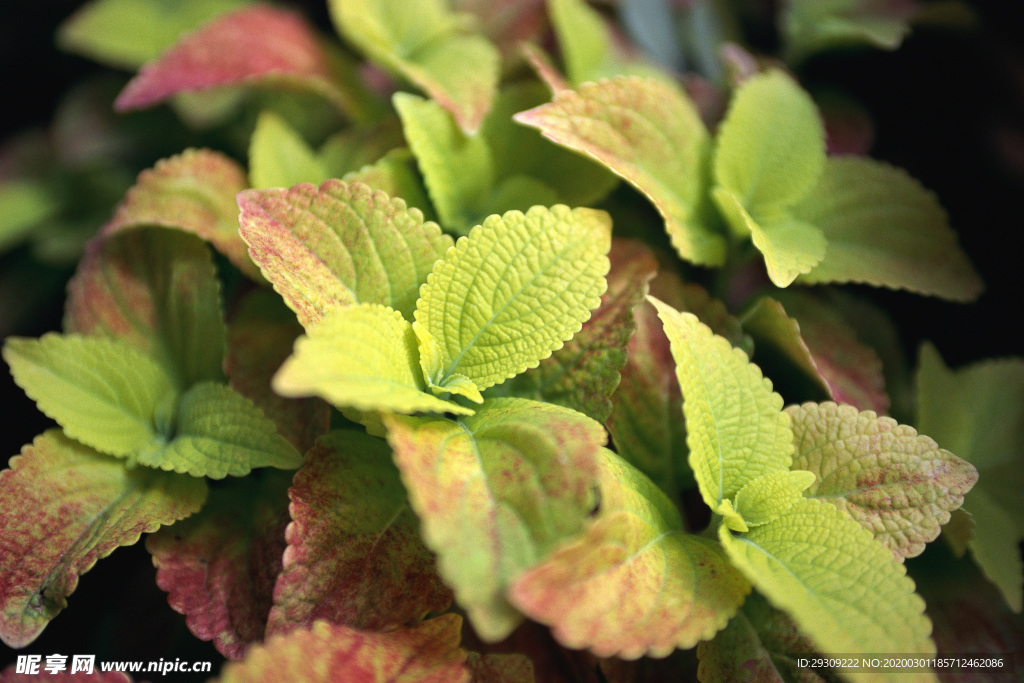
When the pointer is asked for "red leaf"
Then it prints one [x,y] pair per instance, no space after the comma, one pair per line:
[251,45]
[220,566]
[354,551]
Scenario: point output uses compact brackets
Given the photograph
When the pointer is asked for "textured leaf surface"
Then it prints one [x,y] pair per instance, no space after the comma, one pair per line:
[976,412]
[843,589]
[65,507]
[736,430]
[426,43]
[634,583]
[218,432]
[129,33]
[767,497]
[279,157]
[354,554]
[157,290]
[339,244]
[513,668]
[584,373]
[533,278]
[885,229]
[495,492]
[362,357]
[193,191]
[650,134]
[252,45]
[428,653]
[260,337]
[395,174]
[102,391]
[219,566]
[759,644]
[898,485]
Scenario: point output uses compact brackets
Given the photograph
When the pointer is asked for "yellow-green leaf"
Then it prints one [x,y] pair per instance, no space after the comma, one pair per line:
[844,589]
[634,582]
[650,134]
[279,157]
[897,484]
[363,357]
[736,429]
[767,497]
[495,492]
[533,278]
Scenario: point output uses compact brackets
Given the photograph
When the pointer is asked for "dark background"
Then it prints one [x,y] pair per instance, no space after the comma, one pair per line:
[948,107]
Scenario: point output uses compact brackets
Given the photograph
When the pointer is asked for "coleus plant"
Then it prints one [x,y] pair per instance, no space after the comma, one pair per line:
[443,382]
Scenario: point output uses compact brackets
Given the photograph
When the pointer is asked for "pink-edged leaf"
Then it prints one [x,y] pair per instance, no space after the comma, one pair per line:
[156,289]
[256,45]
[193,191]
[338,244]
[354,554]
[544,67]
[261,335]
[819,343]
[645,420]
[584,373]
[65,506]
[514,668]
[9,675]
[219,567]
[428,653]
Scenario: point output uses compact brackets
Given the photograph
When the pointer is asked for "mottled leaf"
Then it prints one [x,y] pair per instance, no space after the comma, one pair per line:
[65,507]
[976,412]
[362,357]
[157,290]
[339,244]
[395,174]
[261,335]
[649,133]
[584,373]
[533,278]
[219,566]
[843,589]
[257,45]
[898,485]
[428,653]
[279,157]
[514,668]
[884,229]
[129,33]
[495,492]
[736,430]
[634,582]
[354,552]
[195,192]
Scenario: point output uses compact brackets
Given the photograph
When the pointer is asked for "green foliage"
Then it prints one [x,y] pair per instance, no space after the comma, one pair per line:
[437,306]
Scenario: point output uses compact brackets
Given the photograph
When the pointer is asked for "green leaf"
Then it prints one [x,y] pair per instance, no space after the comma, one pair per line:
[217,432]
[158,291]
[584,374]
[395,174]
[354,554]
[884,229]
[736,430]
[339,244]
[650,134]
[426,43]
[770,152]
[533,278]
[261,336]
[811,26]
[495,492]
[65,506]
[976,412]
[279,157]
[218,567]
[104,393]
[429,653]
[26,205]
[898,485]
[634,582]
[193,191]
[843,589]
[129,33]
[766,498]
[363,357]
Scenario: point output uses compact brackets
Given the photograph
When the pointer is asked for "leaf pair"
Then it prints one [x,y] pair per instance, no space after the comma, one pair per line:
[814,218]
[842,587]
